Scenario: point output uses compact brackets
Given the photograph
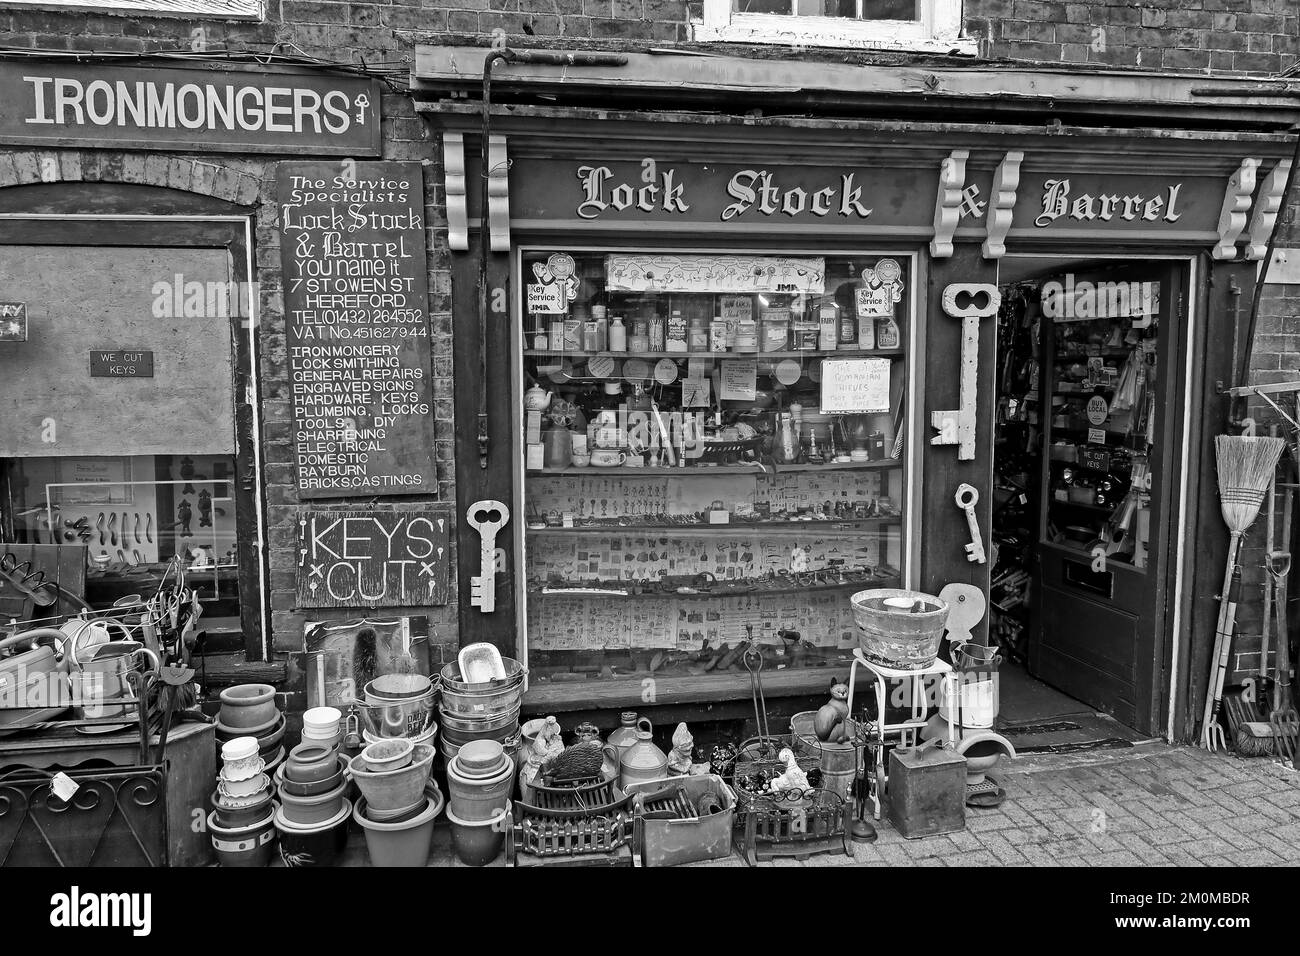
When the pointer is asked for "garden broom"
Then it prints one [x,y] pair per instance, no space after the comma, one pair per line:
[1246,465]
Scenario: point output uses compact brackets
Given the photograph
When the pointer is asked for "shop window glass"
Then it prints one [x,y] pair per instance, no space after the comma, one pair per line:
[120,390]
[847,9]
[136,515]
[714,450]
[915,25]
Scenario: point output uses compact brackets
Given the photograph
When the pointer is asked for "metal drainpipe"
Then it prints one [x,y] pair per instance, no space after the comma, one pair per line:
[506,55]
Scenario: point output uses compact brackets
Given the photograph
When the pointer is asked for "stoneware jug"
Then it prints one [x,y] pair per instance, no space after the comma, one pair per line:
[624,736]
[643,760]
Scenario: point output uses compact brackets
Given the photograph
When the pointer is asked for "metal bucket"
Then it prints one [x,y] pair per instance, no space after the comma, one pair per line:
[899,629]
[838,762]
[492,698]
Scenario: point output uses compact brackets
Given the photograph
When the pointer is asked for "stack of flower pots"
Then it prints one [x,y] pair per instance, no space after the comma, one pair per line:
[241,823]
[481,711]
[399,802]
[248,710]
[479,781]
[313,814]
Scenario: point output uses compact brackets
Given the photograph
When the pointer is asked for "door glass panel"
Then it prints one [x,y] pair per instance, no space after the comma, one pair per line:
[1102,381]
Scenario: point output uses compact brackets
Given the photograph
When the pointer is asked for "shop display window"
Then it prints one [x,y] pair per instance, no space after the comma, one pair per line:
[136,515]
[713,449]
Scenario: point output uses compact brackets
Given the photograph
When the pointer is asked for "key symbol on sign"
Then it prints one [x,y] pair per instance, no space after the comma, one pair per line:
[957,426]
[362,102]
[967,498]
[487,518]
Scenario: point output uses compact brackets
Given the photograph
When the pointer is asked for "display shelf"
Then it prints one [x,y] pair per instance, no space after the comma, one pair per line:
[724,588]
[820,525]
[1084,356]
[588,693]
[740,468]
[775,356]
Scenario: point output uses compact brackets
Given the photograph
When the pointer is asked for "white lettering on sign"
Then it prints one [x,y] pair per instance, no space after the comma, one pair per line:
[1058,203]
[66,101]
[754,189]
[1072,301]
[600,195]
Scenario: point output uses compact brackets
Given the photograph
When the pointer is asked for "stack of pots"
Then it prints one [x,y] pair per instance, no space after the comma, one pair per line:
[479,780]
[241,823]
[313,814]
[248,710]
[481,711]
[399,801]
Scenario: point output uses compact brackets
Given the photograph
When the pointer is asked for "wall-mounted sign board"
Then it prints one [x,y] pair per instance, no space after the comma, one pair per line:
[372,559]
[352,249]
[13,322]
[855,386]
[188,108]
[121,363]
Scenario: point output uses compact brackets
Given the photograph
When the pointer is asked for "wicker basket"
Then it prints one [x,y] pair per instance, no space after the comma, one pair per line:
[758,758]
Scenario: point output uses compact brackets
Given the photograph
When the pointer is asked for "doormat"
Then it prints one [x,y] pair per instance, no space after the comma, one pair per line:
[1107,743]
[1051,727]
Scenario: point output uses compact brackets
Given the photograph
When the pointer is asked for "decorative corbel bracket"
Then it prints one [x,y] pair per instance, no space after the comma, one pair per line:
[498,211]
[1006,182]
[947,204]
[1236,204]
[1266,209]
[456,188]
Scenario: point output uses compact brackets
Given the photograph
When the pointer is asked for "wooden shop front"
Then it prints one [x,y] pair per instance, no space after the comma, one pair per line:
[735,368]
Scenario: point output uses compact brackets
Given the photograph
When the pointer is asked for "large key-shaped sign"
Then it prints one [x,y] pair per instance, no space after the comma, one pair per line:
[980,300]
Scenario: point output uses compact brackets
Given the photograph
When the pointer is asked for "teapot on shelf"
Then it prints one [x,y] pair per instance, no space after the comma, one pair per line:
[536,399]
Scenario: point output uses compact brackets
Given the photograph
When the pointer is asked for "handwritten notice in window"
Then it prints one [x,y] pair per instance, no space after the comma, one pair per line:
[739,380]
[855,386]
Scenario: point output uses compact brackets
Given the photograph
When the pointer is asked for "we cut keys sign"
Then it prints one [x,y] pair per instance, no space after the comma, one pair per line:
[372,559]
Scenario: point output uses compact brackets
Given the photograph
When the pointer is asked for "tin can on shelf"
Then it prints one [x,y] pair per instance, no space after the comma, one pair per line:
[746,338]
[775,330]
[719,335]
[806,335]
[655,328]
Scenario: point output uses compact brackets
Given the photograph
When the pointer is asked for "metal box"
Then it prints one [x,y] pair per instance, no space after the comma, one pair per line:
[927,791]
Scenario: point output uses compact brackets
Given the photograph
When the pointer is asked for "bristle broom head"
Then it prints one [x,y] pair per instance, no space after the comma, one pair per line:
[1246,466]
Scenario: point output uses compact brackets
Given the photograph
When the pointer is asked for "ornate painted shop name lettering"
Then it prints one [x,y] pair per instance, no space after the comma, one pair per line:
[1085,207]
[750,188]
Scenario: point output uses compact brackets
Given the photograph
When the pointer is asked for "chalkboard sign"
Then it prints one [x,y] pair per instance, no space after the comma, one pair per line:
[855,386]
[372,559]
[357,327]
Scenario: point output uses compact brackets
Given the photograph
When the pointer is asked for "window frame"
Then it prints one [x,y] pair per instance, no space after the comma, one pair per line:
[939,30]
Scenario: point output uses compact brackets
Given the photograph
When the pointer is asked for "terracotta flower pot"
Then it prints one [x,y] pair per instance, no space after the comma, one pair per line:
[309,763]
[311,810]
[404,842]
[248,705]
[394,789]
[315,787]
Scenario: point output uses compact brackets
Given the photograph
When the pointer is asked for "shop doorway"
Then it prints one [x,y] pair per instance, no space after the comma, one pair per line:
[1084,455]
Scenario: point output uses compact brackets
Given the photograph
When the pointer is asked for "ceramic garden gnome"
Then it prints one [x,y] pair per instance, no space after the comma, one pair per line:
[679,761]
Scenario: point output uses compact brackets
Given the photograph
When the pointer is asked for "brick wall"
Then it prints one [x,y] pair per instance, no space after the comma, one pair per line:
[1255,36]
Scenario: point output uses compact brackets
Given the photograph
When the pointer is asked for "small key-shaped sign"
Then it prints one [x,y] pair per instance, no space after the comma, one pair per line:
[967,498]
[957,426]
[487,518]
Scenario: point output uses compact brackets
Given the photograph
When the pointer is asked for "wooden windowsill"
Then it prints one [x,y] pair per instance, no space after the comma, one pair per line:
[668,691]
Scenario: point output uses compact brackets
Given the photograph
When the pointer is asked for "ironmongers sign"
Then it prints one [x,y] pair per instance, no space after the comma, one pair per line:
[188,108]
